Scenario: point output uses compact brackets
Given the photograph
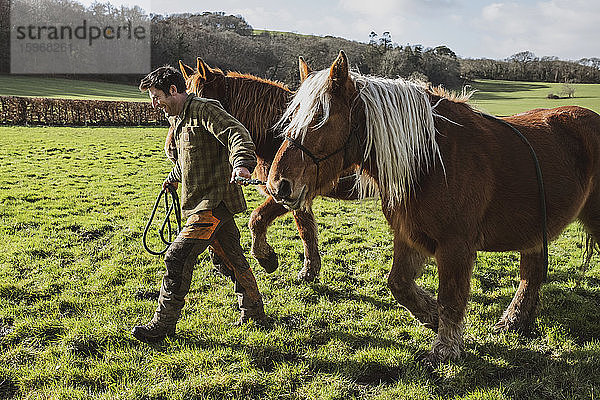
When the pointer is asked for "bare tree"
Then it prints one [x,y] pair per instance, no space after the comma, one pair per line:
[567,90]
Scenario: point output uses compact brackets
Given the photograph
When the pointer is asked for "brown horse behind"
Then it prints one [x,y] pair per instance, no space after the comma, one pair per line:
[451,181]
[258,104]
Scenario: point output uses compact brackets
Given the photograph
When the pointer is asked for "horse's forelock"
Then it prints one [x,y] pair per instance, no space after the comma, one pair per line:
[311,99]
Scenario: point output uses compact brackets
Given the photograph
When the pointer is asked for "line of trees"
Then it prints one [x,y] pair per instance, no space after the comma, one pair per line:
[229,42]
[526,66]
[274,55]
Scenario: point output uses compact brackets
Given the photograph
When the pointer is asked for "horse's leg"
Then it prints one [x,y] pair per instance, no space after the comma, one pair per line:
[455,265]
[520,314]
[407,266]
[590,218]
[307,228]
[259,222]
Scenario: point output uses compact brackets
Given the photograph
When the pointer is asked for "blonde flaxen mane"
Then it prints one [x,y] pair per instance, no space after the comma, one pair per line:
[399,128]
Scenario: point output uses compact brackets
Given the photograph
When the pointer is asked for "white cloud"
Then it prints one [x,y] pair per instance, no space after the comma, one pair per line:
[379,9]
[556,27]
[472,28]
[388,8]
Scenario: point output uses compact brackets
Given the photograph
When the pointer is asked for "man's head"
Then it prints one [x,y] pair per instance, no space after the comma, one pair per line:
[166,88]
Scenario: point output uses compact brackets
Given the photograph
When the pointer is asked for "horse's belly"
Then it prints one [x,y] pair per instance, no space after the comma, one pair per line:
[523,230]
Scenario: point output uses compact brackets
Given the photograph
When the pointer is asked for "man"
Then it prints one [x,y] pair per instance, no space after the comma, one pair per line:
[210,149]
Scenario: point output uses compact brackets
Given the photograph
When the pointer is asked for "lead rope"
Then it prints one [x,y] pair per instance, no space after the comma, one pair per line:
[542,194]
[174,206]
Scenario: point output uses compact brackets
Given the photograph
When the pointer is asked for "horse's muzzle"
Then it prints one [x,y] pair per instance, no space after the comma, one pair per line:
[282,193]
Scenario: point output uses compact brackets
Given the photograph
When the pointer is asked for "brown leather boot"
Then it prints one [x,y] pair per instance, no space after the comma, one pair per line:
[153,332]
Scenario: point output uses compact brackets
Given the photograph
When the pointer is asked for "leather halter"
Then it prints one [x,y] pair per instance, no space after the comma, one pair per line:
[317,160]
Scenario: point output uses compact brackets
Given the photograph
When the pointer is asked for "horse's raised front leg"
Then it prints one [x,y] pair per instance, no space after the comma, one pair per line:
[407,266]
[520,314]
[455,265]
[260,220]
[307,228]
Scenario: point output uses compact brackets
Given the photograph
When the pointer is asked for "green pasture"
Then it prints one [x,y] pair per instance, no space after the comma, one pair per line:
[509,97]
[33,86]
[74,279]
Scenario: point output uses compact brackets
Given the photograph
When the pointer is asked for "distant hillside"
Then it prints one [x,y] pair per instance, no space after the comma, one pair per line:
[229,42]
[274,55]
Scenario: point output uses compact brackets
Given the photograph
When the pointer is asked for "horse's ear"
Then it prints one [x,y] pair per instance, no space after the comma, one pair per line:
[203,68]
[305,70]
[339,72]
[186,70]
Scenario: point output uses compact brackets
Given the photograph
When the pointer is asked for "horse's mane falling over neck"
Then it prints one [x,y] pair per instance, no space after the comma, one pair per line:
[399,128]
[257,103]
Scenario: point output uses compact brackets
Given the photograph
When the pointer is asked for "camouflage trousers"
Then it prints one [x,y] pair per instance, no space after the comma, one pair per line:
[215,228]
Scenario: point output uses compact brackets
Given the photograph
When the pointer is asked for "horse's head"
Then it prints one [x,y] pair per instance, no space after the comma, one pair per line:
[319,138]
[204,81]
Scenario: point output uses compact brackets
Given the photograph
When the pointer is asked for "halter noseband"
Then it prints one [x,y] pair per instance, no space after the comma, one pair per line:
[317,160]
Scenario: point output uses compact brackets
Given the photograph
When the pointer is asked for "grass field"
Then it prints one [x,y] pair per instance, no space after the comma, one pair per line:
[32,86]
[74,279]
[509,97]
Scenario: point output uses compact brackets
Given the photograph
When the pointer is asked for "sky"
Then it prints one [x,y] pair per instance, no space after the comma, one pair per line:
[568,29]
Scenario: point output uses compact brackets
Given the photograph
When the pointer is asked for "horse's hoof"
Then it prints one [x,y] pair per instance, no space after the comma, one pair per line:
[505,325]
[307,275]
[501,326]
[437,356]
[429,360]
[270,263]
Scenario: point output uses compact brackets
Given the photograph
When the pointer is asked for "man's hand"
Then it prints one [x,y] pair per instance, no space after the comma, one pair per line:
[242,172]
[174,184]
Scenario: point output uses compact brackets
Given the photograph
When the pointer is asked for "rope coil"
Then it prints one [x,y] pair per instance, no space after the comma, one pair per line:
[169,208]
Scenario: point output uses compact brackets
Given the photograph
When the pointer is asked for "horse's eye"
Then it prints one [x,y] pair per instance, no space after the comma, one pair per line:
[319,116]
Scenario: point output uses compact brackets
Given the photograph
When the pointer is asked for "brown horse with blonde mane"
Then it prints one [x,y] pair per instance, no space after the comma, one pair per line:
[258,104]
[451,181]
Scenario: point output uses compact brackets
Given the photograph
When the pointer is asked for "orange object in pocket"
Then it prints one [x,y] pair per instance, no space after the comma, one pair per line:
[200,226]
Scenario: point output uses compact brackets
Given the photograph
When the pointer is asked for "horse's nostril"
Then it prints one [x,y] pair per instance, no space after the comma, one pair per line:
[285,189]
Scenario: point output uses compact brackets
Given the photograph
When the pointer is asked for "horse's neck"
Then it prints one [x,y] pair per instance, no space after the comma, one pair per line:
[246,96]
[257,105]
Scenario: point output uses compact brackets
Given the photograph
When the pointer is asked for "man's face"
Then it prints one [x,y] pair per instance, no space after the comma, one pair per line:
[160,100]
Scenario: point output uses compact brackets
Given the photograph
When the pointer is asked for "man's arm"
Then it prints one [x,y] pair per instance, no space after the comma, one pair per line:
[174,176]
[234,136]
[171,152]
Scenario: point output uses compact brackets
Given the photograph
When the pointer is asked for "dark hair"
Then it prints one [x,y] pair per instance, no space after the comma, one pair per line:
[162,78]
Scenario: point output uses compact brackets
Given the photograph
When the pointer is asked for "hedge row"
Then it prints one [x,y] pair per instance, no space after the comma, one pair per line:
[42,111]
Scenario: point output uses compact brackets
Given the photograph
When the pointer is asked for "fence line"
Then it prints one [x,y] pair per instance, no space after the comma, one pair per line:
[15,110]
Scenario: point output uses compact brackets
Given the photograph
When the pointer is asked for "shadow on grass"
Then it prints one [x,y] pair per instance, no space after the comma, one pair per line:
[521,372]
[574,310]
[335,295]
[505,86]
[267,357]
[8,387]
